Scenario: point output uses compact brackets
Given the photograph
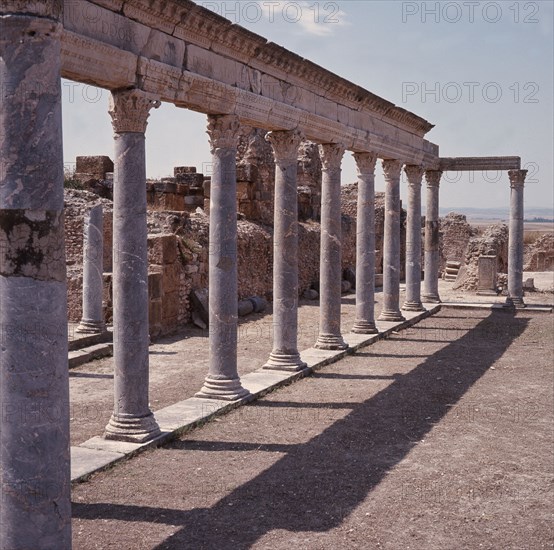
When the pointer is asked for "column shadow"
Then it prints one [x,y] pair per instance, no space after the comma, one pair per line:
[320,482]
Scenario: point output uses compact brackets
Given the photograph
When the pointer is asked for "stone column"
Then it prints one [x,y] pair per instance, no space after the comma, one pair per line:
[391,243]
[285,354]
[222,381]
[35,510]
[132,419]
[365,245]
[515,240]
[93,254]
[413,240]
[330,268]
[432,237]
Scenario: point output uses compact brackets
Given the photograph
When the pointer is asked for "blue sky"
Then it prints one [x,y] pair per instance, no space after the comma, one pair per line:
[482,72]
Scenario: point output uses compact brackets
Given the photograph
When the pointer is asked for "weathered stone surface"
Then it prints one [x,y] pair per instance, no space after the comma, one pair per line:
[432,238]
[96,166]
[540,255]
[487,273]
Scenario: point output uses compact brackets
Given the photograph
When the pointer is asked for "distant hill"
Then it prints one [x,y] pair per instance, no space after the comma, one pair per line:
[473,213]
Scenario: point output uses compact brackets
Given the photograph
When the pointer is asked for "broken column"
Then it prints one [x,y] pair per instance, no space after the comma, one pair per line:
[93,249]
[413,240]
[222,381]
[391,244]
[365,245]
[515,240]
[432,238]
[284,355]
[132,419]
[35,509]
[330,271]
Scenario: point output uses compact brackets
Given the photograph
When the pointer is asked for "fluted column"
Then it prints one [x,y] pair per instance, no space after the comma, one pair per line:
[222,381]
[132,419]
[515,239]
[284,355]
[92,321]
[432,237]
[391,243]
[413,240]
[35,509]
[365,245]
[330,270]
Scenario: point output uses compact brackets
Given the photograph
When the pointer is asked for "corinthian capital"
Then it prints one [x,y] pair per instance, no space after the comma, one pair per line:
[414,173]
[433,178]
[517,178]
[365,162]
[285,144]
[391,169]
[223,131]
[331,155]
[130,110]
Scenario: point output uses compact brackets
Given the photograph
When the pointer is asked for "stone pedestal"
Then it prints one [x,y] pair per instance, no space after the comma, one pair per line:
[413,240]
[365,245]
[432,238]
[487,272]
[35,508]
[391,243]
[222,381]
[515,240]
[284,355]
[132,419]
[330,271]
[93,246]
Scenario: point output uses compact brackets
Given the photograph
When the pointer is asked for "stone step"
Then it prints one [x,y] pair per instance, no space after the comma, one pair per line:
[81,356]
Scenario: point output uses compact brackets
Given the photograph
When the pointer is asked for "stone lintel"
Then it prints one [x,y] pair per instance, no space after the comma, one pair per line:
[460,164]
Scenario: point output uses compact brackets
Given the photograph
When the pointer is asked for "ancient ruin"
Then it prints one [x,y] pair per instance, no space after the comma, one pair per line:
[238,79]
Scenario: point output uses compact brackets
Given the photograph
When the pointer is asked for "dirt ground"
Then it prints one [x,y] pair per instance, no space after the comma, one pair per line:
[438,438]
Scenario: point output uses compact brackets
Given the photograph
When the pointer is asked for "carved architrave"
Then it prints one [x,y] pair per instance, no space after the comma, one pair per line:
[223,131]
[365,162]
[391,169]
[414,173]
[331,155]
[433,178]
[517,178]
[130,110]
[285,144]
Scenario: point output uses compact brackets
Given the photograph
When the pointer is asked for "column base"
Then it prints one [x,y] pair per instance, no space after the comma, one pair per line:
[515,302]
[391,316]
[431,298]
[285,362]
[226,389]
[330,342]
[413,306]
[365,327]
[135,429]
[91,327]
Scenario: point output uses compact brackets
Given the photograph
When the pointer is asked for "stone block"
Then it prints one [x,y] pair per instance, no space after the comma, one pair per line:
[154,286]
[154,313]
[95,167]
[170,278]
[487,273]
[170,305]
[162,249]
[212,65]
[199,302]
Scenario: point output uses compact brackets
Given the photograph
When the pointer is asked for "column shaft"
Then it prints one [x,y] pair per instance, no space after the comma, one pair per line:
[391,243]
[222,381]
[92,321]
[330,270]
[515,239]
[284,355]
[432,238]
[35,509]
[132,419]
[413,240]
[365,245]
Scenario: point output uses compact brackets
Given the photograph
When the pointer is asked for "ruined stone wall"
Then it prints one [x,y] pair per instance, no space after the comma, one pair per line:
[455,233]
[539,256]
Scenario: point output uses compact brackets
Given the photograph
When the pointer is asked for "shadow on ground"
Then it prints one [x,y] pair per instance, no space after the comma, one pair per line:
[319,483]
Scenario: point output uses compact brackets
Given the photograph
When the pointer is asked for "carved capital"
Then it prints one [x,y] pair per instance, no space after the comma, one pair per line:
[285,144]
[517,178]
[391,169]
[414,173]
[433,178]
[130,110]
[365,162]
[331,155]
[223,131]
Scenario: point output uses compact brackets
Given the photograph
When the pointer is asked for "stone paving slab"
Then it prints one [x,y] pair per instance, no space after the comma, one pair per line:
[482,305]
[85,462]
[81,356]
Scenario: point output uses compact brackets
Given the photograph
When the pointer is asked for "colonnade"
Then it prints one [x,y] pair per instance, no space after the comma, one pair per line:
[34,435]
